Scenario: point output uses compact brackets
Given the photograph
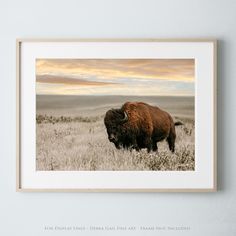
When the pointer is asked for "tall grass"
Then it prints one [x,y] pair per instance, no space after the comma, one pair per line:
[80,143]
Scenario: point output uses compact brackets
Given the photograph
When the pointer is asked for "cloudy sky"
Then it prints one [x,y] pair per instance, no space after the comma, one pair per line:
[115,77]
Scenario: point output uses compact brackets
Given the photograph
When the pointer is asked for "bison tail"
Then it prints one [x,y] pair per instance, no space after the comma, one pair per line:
[178,123]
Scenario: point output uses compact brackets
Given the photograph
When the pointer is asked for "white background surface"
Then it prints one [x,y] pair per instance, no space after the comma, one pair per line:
[205,213]
[202,177]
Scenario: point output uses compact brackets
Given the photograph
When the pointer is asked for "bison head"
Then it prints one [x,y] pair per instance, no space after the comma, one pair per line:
[114,119]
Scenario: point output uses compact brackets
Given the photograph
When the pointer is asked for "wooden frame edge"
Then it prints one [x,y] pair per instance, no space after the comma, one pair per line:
[19,41]
[115,190]
[18,111]
[215,114]
[184,40]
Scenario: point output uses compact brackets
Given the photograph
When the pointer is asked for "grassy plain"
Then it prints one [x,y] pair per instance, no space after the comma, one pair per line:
[71,135]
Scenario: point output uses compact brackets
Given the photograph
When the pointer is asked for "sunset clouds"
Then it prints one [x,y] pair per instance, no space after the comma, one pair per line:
[115,77]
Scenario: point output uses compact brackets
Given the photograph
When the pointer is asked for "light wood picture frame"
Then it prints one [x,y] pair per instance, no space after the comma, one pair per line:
[68,91]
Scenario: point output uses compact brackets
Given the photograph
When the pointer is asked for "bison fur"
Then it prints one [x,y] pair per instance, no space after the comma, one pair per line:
[139,125]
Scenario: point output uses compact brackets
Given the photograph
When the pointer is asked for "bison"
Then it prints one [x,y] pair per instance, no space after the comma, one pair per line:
[139,125]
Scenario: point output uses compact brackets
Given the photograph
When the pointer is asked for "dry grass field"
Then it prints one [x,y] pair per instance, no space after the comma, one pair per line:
[71,135]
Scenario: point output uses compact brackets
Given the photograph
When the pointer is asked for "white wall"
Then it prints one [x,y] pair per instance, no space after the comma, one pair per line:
[204,213]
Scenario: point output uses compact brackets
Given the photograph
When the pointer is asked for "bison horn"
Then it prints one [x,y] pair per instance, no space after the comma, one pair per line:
[125,117]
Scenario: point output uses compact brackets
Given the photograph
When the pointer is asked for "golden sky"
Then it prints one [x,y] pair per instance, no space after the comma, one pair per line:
[115,76]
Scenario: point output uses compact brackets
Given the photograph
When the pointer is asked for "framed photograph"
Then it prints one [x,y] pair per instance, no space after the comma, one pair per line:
[116,115]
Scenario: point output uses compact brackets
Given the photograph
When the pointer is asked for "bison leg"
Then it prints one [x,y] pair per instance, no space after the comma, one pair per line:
[135,146]
[154,145]
[171,141]
[133,143]
[148,143]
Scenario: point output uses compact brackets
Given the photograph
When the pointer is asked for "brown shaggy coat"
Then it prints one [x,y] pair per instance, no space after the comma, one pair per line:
[144,126]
